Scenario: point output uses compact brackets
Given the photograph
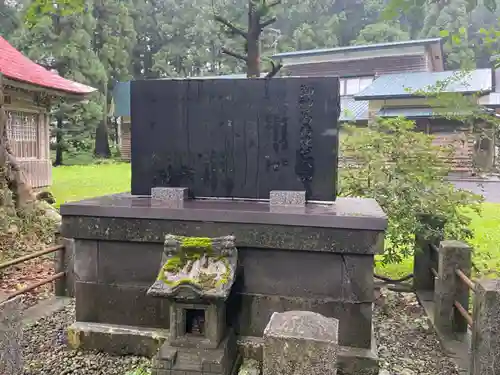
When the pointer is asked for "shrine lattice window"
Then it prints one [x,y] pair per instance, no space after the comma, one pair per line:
[22,132]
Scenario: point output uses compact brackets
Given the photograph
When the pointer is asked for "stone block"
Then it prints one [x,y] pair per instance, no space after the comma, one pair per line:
[485,343]
[287,198]
[265,236]
[307,274]
[120,304]
[169,193]
[65,262]
[11,361]
[138,262]
[355,318]
[86,259]
[449,288]
[114,339]
[300,342]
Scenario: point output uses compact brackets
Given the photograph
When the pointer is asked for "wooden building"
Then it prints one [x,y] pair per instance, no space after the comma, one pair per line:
[29,91]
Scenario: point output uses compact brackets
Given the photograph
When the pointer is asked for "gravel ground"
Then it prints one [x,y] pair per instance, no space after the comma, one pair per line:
[45,351]
[407,345]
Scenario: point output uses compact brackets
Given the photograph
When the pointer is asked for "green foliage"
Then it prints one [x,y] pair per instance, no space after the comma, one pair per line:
[381,32]
[400,168]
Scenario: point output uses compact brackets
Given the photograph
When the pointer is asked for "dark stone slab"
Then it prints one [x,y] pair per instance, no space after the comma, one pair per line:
[128,262]
[345,213]
[119,304]
[11,336]
[307,274]
[247,235]
[355,318]
[236,138]
[86,260]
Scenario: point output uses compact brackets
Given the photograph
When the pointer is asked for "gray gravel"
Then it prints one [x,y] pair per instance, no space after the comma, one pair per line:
[45,351]
[407,344]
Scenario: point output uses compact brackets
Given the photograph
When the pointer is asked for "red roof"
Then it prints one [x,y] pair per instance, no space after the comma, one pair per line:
[16,66]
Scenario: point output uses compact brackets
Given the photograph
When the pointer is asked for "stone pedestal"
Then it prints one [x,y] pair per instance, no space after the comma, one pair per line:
[317,257]
[300,342]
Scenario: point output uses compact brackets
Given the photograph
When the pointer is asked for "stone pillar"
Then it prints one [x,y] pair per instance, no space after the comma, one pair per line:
[453,255]
[485,344]
[11,336]
[64,262]
[423,279]
[300,342]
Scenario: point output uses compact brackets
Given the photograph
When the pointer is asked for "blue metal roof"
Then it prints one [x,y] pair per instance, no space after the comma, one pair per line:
[405,84]
[352,110]
[365,47]
[121,92]
[417,112]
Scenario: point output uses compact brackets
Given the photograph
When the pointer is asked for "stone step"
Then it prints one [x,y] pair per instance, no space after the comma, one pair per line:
[188,361]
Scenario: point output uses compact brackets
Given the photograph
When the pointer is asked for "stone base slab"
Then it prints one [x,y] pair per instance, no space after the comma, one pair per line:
[122,340]
[172,360]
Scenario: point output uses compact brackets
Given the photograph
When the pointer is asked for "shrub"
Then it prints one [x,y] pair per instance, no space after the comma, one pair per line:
[401,169]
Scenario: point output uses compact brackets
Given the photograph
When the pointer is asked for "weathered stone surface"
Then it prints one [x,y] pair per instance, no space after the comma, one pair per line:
[128,263]
[11,361]
[485,344]
[250,367]
[453,255]
[120,304]
[300,342]
[345,241]
[115,339]
[313,274]
[355,318]
[65,262]
[169,193]
[287,198]
[86,260]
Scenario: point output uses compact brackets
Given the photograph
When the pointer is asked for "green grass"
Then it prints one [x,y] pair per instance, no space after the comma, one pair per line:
[73,183]
[486,245]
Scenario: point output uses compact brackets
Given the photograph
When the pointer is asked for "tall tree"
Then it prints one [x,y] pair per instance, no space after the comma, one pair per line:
[65,44]
[258,18]
[9,18]
[451,20]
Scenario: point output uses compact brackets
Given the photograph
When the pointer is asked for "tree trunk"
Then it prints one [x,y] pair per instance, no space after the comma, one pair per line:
[59,142]
[253,42]
[102,142]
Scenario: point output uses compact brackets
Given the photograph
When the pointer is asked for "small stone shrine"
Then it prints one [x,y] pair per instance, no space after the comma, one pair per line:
[196,277]
[252,158]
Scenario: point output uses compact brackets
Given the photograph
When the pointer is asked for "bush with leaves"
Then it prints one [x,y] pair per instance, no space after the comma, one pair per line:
[406,174]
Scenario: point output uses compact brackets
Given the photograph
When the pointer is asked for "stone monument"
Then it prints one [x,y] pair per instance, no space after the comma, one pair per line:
[252,158]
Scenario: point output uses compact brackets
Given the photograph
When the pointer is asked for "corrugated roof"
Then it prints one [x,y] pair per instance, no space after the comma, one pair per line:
[364,47]
[16,66]
[352,110]
[415,112]
[405,84]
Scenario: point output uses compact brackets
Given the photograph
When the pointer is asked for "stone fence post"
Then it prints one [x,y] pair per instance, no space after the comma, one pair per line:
[64,262]
[11,336]
[299,343]
[423,279]
[485,344]
[449,288]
